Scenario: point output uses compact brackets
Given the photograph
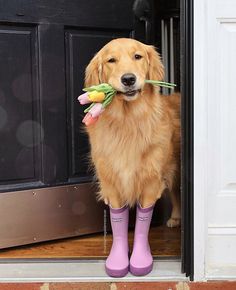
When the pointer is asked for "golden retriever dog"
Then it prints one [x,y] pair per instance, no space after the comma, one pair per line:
[135,144]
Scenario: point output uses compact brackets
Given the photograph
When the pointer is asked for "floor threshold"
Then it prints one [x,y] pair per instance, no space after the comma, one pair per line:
[83,271]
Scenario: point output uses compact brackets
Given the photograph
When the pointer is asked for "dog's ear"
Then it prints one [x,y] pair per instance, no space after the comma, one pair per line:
[92,72]
[156,68]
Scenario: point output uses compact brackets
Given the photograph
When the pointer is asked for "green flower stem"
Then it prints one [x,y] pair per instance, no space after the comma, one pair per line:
[107,101]
[86,110]
[160,83]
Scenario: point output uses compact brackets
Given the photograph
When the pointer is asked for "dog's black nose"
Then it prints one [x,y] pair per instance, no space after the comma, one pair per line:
[128,79]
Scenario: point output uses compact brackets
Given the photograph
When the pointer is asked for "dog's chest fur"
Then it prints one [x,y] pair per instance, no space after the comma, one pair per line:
[128,144]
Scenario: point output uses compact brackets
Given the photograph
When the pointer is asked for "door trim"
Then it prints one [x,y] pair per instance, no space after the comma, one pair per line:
[186,49]
[200,139]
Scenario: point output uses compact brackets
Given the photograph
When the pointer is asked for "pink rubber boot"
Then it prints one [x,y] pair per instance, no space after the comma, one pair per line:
[141,261]
[117,263]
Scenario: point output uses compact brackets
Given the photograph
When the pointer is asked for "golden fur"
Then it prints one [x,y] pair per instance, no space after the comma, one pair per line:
[135,144]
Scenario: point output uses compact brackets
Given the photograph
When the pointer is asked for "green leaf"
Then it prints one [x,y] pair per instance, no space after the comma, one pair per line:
[99,88]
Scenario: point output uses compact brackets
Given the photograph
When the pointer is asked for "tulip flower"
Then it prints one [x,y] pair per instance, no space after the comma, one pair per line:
[96,97]
[89,120]
[90,97]
[84,99]
[96,110]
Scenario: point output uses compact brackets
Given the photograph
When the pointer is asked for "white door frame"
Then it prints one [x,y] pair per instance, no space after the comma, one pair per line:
[200,139]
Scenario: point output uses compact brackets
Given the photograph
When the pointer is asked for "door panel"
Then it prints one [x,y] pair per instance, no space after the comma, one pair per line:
[19,126]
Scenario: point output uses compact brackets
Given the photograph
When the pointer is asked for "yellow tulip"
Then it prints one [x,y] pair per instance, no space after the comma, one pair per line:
[96,96]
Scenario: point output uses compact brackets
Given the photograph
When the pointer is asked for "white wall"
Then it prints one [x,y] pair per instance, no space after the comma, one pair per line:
[215,138]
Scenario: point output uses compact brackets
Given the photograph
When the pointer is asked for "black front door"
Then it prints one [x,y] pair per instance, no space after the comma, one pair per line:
[45,45]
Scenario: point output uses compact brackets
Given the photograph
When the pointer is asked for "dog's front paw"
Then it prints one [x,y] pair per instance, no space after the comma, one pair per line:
[173,222]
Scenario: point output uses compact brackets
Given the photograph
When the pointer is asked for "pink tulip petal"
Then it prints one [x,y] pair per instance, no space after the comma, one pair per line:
[84,99]
[89,120]
[96,110]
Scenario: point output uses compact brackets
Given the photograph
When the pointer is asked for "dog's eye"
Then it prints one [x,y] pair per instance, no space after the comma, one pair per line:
[137,56]
[111,60]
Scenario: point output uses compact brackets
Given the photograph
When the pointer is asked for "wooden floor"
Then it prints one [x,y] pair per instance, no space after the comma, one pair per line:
[164,242]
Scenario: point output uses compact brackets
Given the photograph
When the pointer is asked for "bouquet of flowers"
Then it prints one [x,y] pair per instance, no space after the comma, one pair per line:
[101,96]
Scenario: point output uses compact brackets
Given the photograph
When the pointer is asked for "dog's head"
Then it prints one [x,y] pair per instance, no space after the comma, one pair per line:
[125,64]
